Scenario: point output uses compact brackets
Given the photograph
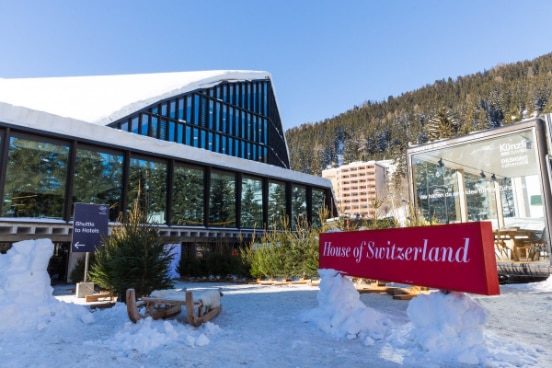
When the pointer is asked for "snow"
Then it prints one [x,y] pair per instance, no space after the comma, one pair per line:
[103,99]
[294,325]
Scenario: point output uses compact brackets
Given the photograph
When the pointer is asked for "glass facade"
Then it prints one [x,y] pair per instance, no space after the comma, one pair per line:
[318,207]
[36,178]
[277,204]
[496,179]
[238,119]
[43,176]
[188,194]
[222,199]
[298,206]
[147,184]
[251,202]
[98,178]
[497,176]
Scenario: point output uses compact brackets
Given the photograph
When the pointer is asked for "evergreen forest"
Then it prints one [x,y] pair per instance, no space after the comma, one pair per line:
[383,130]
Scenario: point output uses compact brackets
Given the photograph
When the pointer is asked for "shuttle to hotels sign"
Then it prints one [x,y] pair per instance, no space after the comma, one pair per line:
[458,257]
[90,223]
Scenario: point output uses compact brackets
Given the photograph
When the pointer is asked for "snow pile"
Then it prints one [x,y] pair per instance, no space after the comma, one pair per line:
[28,305]
[449,326]
[148,335]
[26,297]
[446,326]
[343,314]
[545,286]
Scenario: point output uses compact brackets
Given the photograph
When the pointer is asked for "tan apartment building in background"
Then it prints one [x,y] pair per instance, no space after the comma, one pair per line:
[360,188]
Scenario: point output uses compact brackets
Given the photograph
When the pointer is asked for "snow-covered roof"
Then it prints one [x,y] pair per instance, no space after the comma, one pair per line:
[104,99]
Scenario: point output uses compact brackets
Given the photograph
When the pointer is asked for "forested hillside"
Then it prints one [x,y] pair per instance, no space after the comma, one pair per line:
[382,130]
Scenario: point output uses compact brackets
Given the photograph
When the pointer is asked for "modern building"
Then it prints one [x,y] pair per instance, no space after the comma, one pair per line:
[203,152]
[359,187]
[501,175]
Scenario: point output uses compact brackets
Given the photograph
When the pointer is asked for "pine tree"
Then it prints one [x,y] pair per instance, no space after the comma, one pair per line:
[133,256]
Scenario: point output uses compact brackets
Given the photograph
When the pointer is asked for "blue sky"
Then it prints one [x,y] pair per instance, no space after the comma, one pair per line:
[324,56]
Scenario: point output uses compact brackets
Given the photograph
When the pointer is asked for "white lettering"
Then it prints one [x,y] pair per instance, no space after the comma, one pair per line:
[331,251]
[423,253]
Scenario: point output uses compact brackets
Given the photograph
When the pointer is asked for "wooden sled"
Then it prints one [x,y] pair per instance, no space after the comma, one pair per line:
[161,308]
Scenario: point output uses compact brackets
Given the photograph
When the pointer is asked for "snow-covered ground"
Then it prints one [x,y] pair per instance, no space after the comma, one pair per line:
[271,326]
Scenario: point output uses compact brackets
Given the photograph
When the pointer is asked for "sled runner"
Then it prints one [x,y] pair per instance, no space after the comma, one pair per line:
[197,312]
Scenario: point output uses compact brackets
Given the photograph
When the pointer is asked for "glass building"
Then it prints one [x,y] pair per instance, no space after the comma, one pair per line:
[501,175]
[204,153]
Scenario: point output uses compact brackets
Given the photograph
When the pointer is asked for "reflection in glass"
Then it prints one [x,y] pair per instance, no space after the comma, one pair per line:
[437,192]
[144,124]
[495,179]
[147,184]
[276,205]
[36,174]
[222,200]
[252,203]
[194,117]
[298,206]
[318,207]
[188,188]
[98,179]
[477,198]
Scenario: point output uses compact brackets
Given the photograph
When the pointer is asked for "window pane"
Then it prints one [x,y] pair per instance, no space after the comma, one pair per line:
[179,132]
[224,127]
[154,128]
[210,142]
[172,131]
[187,206]
[243,125]
[144,125]
[99,179]
[196,110]
[248,127]
[211,113]
[180,107]
[172,113]
[147,183]
[222,200]
[318,207]
[124,126]
[217,116]
[223,148]
[438,192]
[298,206]
[134,125]
[189,109]
[163,129]
[35,179]
[188,138]
[252,203]
[195,137]
[276,205]
[231,121]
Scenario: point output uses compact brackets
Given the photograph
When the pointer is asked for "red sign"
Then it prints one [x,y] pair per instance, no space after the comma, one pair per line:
[458,257]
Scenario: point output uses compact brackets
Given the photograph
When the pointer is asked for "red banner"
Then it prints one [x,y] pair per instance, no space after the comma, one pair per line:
[457,257]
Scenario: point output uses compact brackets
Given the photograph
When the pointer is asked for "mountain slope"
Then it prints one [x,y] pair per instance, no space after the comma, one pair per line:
[382,130]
